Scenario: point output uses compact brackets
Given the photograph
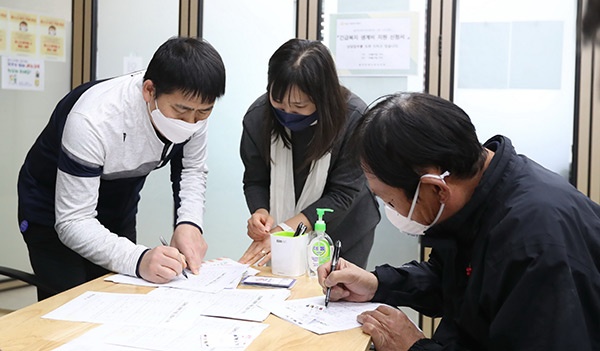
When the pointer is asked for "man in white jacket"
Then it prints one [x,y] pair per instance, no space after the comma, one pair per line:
[79,185]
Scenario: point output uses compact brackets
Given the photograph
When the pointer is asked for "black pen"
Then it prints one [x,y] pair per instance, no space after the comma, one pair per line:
[334,262]
[164,242]
[300,229]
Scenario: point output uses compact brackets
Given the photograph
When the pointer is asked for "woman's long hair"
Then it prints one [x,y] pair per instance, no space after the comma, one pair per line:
[308,65]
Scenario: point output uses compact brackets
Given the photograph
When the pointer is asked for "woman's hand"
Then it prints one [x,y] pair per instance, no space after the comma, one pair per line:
[260,224]
[258,253]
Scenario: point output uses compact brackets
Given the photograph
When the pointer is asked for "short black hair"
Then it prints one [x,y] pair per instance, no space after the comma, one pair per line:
[189,65]
[404,133]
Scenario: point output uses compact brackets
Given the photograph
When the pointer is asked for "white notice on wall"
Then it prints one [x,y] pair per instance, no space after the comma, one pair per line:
[22,73]
[373,43]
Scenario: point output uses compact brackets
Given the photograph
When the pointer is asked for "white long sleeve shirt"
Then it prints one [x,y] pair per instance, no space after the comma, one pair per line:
[108,135]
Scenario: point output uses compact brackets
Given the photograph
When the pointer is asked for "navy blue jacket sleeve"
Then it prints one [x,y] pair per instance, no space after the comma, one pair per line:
[414,284]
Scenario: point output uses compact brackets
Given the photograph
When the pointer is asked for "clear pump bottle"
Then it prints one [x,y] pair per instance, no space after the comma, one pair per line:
[319,247]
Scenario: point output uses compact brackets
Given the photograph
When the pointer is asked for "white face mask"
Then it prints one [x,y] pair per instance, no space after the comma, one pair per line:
[175,130]
[405,224]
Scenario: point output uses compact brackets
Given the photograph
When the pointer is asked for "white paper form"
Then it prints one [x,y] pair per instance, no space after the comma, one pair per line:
[206,333]
[90,342]
[226,262]
[94,340]
[135,309]
[242,304]
[212,278]
[311,313]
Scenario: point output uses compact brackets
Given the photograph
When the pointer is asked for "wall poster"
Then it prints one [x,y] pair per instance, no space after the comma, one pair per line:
[375,44]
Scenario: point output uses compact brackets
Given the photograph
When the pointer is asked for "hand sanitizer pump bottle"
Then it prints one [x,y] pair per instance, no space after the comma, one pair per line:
[319,248]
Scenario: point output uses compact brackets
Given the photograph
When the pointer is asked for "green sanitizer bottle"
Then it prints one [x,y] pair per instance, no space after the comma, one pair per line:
[319,248]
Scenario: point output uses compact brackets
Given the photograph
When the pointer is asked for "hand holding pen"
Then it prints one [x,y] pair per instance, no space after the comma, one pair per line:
[334,262]
[164,242]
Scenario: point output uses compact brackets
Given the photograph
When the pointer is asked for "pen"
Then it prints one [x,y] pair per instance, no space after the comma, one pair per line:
[164,242]
[334,262]
[300,229]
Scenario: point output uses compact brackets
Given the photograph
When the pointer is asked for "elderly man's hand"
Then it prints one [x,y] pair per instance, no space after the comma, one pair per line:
[390,329]
[349,282]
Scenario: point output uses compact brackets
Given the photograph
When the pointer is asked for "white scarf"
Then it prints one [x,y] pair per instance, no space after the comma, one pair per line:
[282,194]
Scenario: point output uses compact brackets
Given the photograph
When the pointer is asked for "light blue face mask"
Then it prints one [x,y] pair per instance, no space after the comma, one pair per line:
[295,122]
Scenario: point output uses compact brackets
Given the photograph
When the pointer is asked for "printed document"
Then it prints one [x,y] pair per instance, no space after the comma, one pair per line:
[311,313]
[134,309]
[232,303]
[214,276]
[206,334]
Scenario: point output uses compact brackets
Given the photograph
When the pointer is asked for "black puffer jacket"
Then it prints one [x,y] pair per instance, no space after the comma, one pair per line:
[517,268]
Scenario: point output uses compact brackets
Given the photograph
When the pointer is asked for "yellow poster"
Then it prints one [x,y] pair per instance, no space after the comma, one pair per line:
[52,38]
[23,27]
[3,26]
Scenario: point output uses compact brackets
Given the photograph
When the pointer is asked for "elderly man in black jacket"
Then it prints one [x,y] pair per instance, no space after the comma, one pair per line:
[515,262]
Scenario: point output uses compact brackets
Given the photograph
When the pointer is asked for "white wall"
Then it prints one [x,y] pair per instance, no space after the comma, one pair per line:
[137,28]
[23,114]
[132,28]
[255,29]
[535,106]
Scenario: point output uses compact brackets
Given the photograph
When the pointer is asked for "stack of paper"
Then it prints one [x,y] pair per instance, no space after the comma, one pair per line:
[235,303]
[208,334]
[214,276]
[184,314]
[180,315]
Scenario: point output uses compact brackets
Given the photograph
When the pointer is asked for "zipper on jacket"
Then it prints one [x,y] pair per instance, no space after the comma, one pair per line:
[165,152]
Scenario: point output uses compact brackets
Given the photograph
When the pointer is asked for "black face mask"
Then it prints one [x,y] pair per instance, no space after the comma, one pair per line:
[295,122]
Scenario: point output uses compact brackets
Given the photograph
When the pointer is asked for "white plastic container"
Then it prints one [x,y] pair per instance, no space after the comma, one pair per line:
[288,254]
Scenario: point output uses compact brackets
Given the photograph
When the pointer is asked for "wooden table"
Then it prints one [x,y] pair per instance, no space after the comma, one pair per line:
[24,329]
